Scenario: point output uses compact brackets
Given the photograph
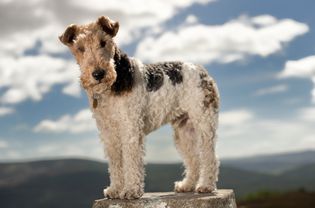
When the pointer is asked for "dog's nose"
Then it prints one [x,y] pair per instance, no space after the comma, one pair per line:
[98,74]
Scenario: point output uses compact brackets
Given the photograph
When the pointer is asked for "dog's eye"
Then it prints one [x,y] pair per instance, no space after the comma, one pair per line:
[81,49]
[102,43]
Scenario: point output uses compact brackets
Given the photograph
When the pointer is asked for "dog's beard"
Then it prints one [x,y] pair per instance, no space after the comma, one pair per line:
[100,88]
[97,91]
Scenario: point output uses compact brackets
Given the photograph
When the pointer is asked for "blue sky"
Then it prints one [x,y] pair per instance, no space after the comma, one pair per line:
[260,52]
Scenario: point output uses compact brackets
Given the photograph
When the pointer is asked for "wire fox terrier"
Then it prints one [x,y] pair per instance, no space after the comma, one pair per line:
[130,99]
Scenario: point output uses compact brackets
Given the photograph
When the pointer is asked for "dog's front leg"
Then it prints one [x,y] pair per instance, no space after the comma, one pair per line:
[133,167]
[113,150]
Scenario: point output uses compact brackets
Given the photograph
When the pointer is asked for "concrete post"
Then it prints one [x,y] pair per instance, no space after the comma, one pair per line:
[219,199]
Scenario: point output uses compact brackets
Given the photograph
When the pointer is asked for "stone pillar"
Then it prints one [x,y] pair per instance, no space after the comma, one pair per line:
[220,199]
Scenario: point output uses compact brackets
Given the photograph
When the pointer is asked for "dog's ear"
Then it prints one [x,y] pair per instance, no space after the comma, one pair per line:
[69,35]
[109,26]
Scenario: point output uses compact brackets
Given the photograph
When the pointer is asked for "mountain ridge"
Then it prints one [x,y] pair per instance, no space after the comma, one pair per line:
[77,182]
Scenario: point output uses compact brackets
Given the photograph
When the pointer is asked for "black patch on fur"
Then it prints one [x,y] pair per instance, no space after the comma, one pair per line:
[125,73]
[173,71]
[155,74]
[154,78]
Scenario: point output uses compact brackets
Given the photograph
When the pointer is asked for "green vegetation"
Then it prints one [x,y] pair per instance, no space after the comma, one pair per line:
[264,194]
[267,199]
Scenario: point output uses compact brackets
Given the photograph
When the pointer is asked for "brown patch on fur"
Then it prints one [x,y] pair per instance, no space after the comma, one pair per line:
[209,88]
[95,103]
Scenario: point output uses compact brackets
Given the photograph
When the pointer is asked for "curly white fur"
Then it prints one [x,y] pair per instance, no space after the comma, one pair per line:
[123,122]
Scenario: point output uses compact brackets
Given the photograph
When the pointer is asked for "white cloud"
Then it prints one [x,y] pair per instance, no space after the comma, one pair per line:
[44,20]
[17,43]
[40,22]
[235,117]
[237,129]
[233,41]
[241,133]
[64,148]
[23,78]
[191,19]
[32,21]
[6,111]
[272,90]
[264,20]
[156,7]
[3,144]
[142,15]
[265,136]
[86,148]
[31,77]
[302,68]
[307,114]
[9,154]
[78,123]
[160,146]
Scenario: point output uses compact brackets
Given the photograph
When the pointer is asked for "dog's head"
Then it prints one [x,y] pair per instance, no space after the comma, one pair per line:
[93,47]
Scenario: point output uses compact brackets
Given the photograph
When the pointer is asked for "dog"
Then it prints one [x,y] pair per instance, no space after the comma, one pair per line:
[130,99]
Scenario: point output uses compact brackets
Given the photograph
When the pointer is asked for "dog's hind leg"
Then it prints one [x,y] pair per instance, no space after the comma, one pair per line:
[206,122]
[186,143]
[209,165]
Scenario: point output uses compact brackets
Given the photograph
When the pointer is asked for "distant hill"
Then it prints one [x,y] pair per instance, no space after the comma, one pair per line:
[51,184]
[245,182]
[76,183]
[275,164]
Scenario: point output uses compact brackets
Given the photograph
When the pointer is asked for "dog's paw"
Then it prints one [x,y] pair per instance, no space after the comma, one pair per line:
[131,193]
[205,188]
[182,186]
[111,193]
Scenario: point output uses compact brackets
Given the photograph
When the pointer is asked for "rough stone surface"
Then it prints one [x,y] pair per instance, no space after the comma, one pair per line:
[219,199]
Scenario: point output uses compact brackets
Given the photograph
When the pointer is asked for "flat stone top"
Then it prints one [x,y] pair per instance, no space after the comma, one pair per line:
[222,198]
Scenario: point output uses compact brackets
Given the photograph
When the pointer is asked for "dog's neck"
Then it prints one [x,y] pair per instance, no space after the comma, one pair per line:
[125,73]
